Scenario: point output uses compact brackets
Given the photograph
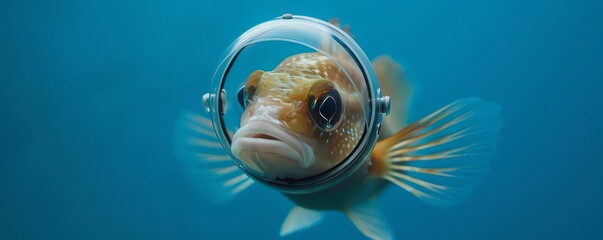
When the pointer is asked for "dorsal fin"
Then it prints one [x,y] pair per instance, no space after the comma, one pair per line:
[393,83]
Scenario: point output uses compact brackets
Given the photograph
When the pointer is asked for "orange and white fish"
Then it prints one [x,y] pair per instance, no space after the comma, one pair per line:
[302,118]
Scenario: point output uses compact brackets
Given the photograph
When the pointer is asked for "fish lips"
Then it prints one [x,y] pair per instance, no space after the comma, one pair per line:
[270,148]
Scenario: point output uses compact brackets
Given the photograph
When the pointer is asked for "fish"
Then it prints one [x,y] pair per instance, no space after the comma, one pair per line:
[304,117]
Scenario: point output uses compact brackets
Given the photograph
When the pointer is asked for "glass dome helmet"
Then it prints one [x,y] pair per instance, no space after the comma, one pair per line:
[296,103]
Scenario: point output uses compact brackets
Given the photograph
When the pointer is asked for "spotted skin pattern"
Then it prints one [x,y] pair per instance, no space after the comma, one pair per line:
[439,158]
[286,91]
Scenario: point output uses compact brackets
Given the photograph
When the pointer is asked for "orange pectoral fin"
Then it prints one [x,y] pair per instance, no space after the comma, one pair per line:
[379,164]
[441,158]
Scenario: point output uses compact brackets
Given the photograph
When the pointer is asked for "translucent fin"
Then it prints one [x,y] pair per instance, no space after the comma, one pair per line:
[394,84]
[300,218]
[346,28]
[442,157]
[336,50]
[210,169]
[368,220]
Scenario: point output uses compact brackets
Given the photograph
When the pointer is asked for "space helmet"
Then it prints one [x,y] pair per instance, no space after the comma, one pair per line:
[264,47]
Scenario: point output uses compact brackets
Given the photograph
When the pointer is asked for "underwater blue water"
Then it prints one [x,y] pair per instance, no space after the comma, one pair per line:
[90,91]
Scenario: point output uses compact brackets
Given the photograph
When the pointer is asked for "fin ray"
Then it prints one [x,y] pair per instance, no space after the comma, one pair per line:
[213,157]
[212,172]
[441,157]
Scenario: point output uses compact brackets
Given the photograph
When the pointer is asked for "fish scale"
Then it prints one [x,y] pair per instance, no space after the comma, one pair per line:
[301,71]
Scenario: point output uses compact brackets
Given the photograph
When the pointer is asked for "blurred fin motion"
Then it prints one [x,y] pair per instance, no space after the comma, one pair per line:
[442,157]
[394,84]
[212,171]
[300,218]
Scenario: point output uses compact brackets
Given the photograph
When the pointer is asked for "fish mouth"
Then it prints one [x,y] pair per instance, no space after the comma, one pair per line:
[271,149]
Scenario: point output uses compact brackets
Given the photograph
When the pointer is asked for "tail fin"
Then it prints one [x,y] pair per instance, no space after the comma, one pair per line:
[210,169]
[442,157]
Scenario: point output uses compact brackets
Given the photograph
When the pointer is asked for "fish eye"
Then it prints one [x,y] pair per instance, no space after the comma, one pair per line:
[241,97]
[247,92]
[325,107]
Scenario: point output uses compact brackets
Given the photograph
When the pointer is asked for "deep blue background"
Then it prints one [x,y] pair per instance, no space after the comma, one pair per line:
[90,90]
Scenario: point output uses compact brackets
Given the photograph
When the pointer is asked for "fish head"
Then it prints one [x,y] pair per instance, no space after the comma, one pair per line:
[295,125]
